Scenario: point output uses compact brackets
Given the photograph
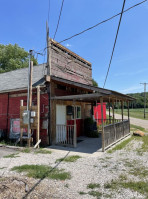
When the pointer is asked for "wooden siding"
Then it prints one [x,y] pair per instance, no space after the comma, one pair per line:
[65,66]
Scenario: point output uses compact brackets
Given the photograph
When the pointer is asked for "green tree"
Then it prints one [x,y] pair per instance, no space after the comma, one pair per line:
[13,57]
[94,82]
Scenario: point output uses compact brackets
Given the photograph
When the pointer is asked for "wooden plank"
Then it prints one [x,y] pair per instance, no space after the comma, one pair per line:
[92,96]
[37,144]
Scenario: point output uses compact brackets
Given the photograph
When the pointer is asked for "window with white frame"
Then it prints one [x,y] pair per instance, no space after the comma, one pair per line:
[77,111]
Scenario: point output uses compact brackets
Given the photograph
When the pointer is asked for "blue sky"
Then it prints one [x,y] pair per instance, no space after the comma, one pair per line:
[24,22]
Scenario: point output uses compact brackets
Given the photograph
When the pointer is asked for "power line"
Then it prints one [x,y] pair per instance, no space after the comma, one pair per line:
[59,19]
[43,50]
[115,42]
[106,20]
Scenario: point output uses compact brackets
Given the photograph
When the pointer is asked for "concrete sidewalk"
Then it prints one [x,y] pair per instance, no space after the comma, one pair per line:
[87,147]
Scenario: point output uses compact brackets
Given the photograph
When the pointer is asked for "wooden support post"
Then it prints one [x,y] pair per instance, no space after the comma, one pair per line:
[38,115]
[114,119]
[128,114]
[128,110]
[122,109]
[75,127]
[113,111]
[109,112]
[21,130]
[102,121]
[122,116]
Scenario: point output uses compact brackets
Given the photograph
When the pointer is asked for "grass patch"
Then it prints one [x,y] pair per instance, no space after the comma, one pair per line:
[43,151]
[93,186]
[96,194]
[26,150]
[43,171]
[140,186]
[120,146]
[2,168]
[72,158]
[144,146]
[82,193]
[13,155]
[136,113]
[135,127]
[141,172]
[123,177]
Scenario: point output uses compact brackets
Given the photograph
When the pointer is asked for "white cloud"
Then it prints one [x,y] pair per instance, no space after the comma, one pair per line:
[68,45]
[131,73]
[132,89]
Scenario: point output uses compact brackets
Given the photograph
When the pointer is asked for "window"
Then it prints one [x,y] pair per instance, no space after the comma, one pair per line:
[77,111]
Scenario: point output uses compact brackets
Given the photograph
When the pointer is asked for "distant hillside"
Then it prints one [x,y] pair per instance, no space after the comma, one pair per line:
[139,103]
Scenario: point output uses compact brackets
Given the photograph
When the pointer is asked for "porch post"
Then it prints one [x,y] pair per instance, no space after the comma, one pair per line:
[128,109]
[103,136]
[75,136]
[114,120]
[21,130]
[128,114]
[38,115]
[122,115]
[113,111]
[122,109]
[109,112]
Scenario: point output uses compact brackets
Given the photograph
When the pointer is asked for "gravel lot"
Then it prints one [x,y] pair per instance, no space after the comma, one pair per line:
[88,169]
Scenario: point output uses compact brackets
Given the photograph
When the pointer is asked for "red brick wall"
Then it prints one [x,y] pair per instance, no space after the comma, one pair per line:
[14,112]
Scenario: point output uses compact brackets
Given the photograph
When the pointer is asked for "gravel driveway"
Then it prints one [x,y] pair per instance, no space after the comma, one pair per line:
[88,169]
[135,121]
[5,151]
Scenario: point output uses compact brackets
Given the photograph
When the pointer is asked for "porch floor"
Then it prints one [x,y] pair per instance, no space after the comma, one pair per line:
[84,145]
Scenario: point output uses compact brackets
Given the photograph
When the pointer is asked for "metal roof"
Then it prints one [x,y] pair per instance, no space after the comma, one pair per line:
[18,79]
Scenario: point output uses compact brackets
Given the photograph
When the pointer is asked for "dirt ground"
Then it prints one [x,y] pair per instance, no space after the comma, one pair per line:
[95,170]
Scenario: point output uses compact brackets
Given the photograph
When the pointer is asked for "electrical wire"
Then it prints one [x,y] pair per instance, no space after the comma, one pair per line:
[59,19]
[106,20]
[114,42]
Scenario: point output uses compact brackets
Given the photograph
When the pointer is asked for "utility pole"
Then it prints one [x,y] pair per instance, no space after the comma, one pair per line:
[144,96]
[49,83]
[29,95]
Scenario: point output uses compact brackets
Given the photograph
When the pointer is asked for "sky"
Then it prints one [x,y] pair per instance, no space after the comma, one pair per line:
[24,22]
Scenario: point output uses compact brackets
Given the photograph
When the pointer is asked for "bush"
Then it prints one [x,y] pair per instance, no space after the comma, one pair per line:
[90,128]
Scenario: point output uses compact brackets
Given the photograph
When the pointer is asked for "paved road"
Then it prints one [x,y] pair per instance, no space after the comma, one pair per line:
[6,151]
[136,121]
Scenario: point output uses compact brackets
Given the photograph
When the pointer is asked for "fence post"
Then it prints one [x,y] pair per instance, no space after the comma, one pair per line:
[128,114]
[103,136]
[114,120]
[122,117]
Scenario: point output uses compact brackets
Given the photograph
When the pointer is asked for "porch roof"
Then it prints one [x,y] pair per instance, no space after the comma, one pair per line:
[96,92]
